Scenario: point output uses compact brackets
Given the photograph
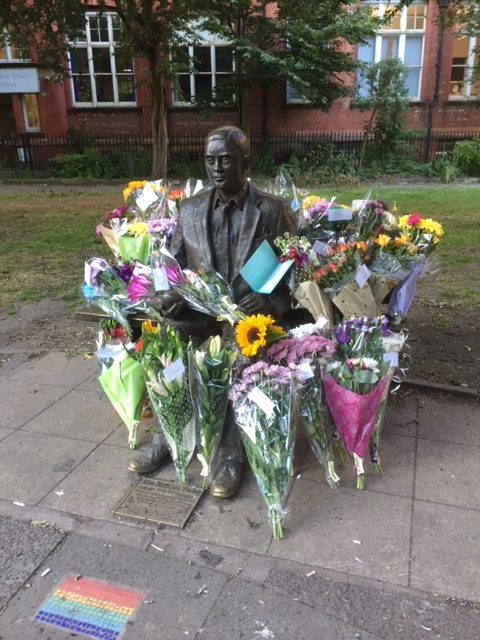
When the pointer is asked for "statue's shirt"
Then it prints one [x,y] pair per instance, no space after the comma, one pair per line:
[225,222]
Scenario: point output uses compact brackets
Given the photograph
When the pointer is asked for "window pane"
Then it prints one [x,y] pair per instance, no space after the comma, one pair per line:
[79,60]
[101,60]
[123,61]
[203,87]
[126,89]
[3,53]
[82,88]
[413,51]
[182,91]
[224,59]
[203,63]
[98,28]
[31,111]
[416,16]
[460,47]
[412,78]
[394,23]
[104,87]
[116,28]
[389,47]
[366,51]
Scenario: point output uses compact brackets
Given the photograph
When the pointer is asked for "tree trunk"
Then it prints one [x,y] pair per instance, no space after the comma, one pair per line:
[159,129]
[244,112]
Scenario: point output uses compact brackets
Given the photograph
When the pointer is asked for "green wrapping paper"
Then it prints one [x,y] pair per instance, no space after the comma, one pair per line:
[124,386]
[134,248]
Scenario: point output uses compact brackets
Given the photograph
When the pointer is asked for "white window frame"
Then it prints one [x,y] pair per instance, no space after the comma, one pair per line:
[402,34]
[213,42]
[89,45]
[469,67]
[9,57]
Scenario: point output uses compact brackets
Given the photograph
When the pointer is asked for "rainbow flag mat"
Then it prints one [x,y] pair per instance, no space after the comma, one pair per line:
[89,608]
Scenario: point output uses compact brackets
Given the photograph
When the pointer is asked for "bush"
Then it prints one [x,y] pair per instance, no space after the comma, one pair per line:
[444,167]
[466,156]
[91,164]
[88,164]
[264,164]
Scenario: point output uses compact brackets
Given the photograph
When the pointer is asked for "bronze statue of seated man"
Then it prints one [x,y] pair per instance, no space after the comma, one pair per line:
[218,231]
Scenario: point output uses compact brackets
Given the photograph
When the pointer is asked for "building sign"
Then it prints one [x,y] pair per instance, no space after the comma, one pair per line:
[20,80]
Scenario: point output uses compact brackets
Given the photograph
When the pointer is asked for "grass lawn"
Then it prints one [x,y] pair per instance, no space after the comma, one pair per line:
[46,239]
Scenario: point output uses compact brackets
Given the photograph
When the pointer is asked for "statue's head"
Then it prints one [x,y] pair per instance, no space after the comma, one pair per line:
[227,158]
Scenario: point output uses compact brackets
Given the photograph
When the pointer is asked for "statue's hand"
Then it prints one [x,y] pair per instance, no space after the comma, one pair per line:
[170,302]
[255,303]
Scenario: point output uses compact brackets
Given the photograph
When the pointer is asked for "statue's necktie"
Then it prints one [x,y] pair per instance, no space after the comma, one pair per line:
[222,241]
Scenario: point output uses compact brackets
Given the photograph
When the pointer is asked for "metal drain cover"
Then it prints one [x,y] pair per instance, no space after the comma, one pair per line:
[159,501]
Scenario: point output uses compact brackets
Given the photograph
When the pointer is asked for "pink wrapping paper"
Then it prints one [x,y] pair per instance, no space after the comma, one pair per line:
[353,414]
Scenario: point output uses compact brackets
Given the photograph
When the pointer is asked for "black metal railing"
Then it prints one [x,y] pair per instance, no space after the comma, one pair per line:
[35,154]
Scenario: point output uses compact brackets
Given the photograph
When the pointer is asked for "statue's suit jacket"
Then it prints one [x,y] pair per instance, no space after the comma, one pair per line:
[264,218]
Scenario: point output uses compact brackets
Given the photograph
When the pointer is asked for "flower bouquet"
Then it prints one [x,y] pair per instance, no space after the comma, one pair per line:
[210,369]
[265,405]
[124,385]
[112,339]
[355,385]
[308,353]
[164,357]
[324,220]
[105,288]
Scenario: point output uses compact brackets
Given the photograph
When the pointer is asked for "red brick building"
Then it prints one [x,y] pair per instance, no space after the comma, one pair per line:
[107,95]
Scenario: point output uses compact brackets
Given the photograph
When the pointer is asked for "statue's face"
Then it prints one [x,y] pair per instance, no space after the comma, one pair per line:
[226,166]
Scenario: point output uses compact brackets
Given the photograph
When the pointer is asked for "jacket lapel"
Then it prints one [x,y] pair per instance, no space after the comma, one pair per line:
[202,231]
[248,229]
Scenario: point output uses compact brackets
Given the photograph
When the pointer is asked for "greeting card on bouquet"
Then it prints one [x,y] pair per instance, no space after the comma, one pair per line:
[263,271]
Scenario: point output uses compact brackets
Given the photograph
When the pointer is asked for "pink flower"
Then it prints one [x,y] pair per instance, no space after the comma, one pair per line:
[138,288]
[414,219]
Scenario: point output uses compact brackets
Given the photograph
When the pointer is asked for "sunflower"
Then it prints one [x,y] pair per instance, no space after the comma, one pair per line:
[256,331]
[133,186]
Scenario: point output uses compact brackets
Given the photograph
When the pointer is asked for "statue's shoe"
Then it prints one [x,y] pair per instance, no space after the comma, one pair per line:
[151,461]
[227,480]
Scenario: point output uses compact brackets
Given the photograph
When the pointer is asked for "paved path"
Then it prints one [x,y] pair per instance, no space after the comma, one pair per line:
[399,560]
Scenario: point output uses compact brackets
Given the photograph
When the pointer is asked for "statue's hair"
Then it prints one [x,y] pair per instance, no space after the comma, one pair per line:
[233,135]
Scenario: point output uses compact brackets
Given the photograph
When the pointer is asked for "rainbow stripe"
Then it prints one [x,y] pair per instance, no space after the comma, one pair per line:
[89,608]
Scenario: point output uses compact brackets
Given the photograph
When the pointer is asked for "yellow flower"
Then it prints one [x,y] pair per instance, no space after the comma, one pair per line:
[431,226]
[404,239]
[402,222]
[131,187]
[254,332]
[137,228]
[149,327]
[382,240]
[310,201]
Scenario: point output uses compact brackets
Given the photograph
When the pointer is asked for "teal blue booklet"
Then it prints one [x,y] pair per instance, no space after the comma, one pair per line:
[263,271]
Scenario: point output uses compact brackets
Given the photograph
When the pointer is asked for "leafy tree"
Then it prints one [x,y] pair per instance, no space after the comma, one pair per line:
[386,95]
[302,42]
[152,29]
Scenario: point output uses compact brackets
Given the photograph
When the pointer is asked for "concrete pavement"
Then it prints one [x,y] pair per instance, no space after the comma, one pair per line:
[399,560]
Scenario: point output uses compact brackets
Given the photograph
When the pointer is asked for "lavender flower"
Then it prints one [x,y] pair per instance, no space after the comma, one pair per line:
[162,226]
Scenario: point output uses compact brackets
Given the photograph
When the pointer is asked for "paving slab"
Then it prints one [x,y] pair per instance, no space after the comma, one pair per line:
[171,608]
[248,611]
[32,464]
[96,486]
[447,473]
[57,369]
[390,613]
[78,414]
[450,421]
[397,455]
[347,530]
[119,436]
[241,523]
[22,401]
[92,384]
[401,417]
[445,549]
[23,546]
[4,433]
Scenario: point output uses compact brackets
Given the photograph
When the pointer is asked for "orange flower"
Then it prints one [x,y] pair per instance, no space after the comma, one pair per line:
[139,345]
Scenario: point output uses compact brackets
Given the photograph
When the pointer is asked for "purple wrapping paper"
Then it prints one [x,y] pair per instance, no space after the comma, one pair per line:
[401,297]
[353,414]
